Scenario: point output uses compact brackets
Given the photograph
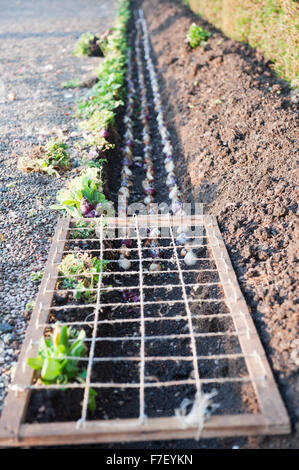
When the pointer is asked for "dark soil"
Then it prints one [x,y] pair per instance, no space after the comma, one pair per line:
[234,128]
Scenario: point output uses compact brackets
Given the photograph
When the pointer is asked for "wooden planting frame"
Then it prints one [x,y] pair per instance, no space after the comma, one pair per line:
[271,418]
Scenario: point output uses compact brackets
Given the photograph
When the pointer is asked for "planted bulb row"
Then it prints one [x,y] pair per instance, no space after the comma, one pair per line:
[127,161]
[171,180]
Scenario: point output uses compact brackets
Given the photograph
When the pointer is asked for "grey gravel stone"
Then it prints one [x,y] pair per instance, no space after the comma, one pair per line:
[4,327]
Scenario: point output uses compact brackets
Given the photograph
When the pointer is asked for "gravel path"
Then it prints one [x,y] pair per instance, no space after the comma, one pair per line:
[37,39]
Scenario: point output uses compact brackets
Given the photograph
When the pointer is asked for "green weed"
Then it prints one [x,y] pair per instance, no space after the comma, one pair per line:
[196,36]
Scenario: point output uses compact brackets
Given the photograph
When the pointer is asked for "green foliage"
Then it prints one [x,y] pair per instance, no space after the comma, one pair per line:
[88,232]
[56,154]
[30,306]
[74,83]
[88,184]
[94,125]
[196,35]
[36,276]
[98,107]
[92,399]
[51,158]
[57,355]
[94,163]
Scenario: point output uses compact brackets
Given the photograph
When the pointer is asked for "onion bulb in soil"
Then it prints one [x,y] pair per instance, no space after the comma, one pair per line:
[105,134]
[150,191]
[171,179]
[169,166]
[174,193]
[125,251]
[155,267]
[127,242]
[190,258]
[181,239]
[154,233]
[183,252]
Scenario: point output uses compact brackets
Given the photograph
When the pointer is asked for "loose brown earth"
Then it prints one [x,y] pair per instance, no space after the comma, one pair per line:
[234,129]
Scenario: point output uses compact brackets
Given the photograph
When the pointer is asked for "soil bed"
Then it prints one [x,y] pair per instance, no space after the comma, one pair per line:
[115,340]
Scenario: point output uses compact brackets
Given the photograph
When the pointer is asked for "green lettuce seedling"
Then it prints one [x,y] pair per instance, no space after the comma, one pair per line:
[82,195]
[57,355]
[74,83]
[57,359]
[98,107]
[85,270]
[50,159]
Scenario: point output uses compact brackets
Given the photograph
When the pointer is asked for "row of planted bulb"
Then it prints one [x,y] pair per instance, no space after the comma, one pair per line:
[127,161]
[171,180]
[154,250]
[127,156]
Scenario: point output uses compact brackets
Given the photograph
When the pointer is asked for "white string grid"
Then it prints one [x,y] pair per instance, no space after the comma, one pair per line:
[134,345]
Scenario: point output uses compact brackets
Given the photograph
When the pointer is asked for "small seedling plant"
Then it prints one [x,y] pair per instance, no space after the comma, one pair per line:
[51,159]
[85,230]
[57,359]
[81,272]
[56,154]
[197,36]
[36,277]
[83,196]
